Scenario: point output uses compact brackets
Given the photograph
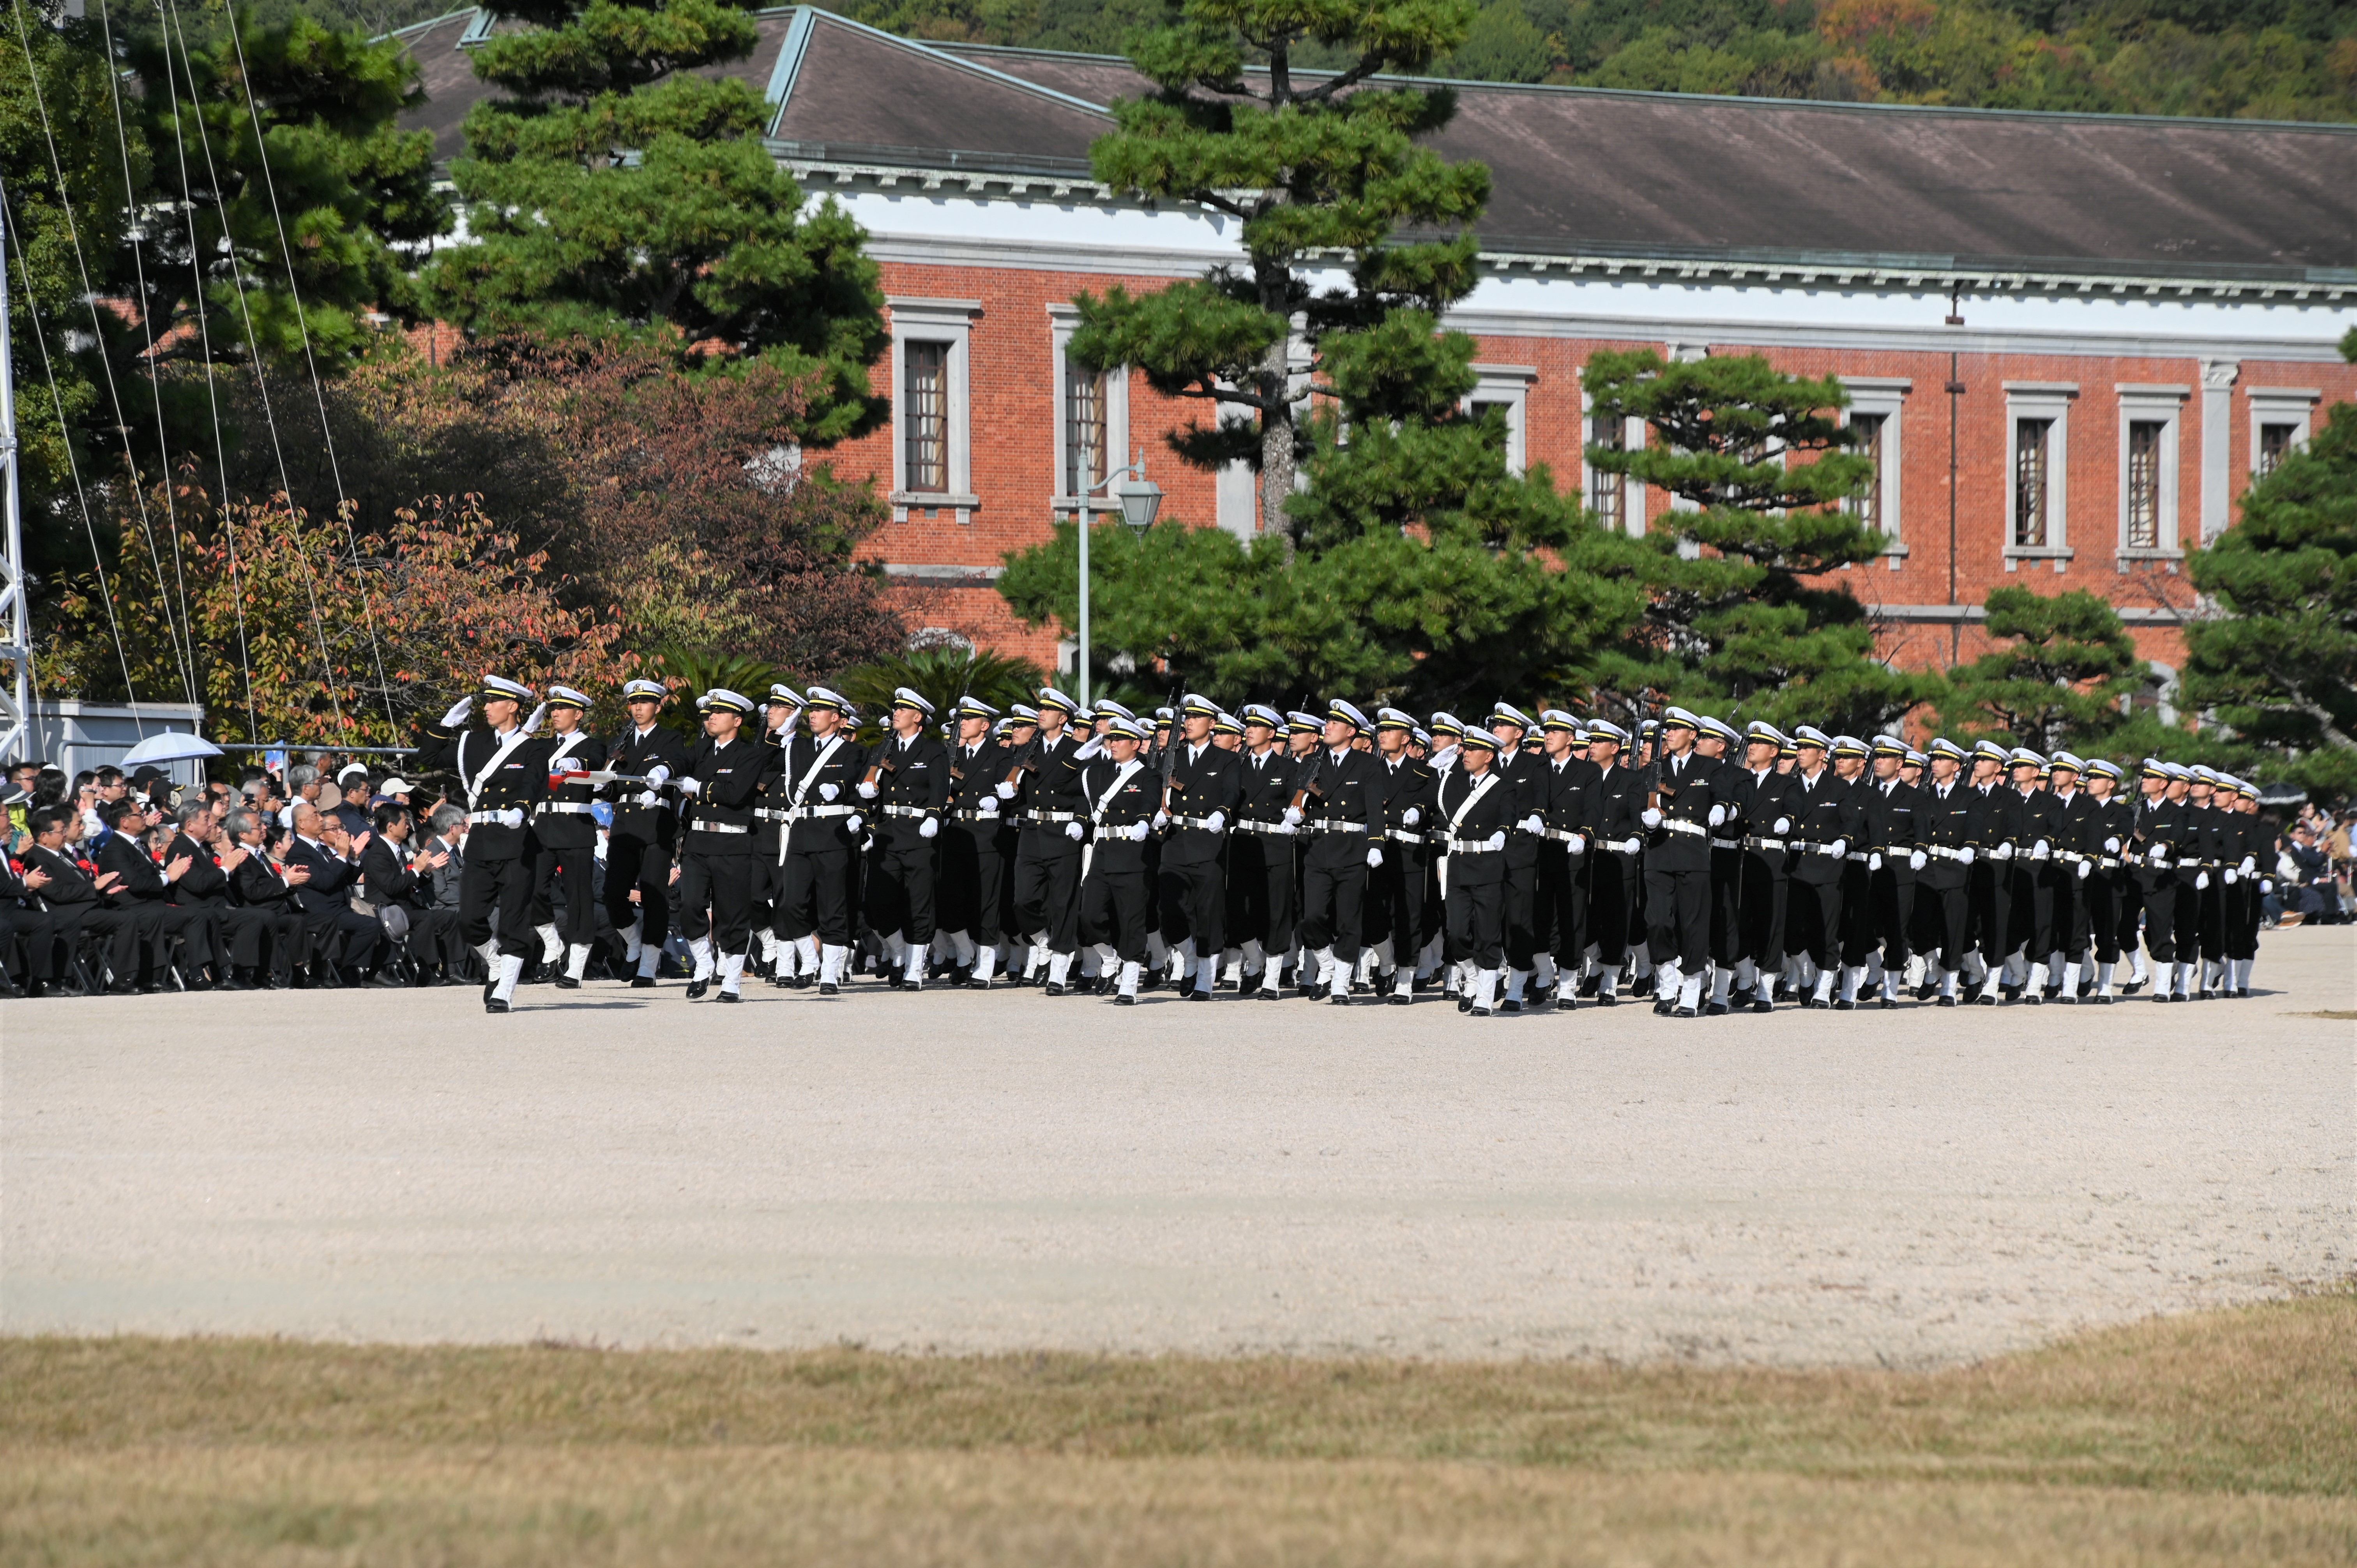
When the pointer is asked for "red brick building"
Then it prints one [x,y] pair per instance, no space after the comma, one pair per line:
[2077,336]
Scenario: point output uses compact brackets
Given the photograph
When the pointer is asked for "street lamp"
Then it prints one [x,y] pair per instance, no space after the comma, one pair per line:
[1140,500]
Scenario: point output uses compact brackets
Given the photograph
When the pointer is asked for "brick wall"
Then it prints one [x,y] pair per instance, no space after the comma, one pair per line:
[1015,408]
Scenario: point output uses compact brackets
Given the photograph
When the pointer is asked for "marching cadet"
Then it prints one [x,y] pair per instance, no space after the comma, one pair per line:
[1825,824]
[2254,844]
[909,784]
[2210,921]
[2110,823]
[1045,788]
[1848,760]
[1948,822]
[2068,968]
[1476,806]
[505,778]
[564,837]
[722,782]
[644,834]
[1887,912]
[972,878]
[2032,823]
[1260,858]
[1395,888]
[1563,849]
[1337,803]
[820,766]
[1121,800]
[1762,799]
[1615,831]
[1681,810]
[1522,769]
[779,714]
[1720,743]
[1205,782]
[1991,901]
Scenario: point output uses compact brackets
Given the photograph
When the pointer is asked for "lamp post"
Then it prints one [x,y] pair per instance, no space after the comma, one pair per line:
[1140,500]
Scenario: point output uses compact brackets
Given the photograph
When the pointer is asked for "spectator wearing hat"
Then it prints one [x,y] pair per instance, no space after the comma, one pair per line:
[907,791]
[503,773]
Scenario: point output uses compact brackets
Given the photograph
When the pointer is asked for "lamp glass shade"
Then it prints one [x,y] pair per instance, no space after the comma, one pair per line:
[1141,499]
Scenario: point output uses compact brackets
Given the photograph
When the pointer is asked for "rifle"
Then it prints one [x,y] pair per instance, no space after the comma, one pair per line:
[1169,757]
[1306,784]
[957,712]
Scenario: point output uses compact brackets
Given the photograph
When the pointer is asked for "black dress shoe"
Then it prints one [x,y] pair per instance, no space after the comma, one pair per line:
[1124,1000]
[122,988]
[828,988]
[385,978]
[1947,1002]
[1984,1000]
[1465,1004]
[1845,1006]
[1339,1001]
[1763,1006]
[1663,1007]
[731,996]
[1891,1002]
[566,982]
[1053,989]
[642,983]
[1197,995]
[1608,999]
[1817,1006]
[1396,1000]
[1714,1010]
[1682,1013]
[1481,1012]
[494,1005]
[1510,1005]
[696,988]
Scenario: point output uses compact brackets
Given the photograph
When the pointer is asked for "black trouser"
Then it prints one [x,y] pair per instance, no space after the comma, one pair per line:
[2241,904]
[195,931]
[1475,922]
[633,865]
[578,867]
[2127,911]
[1396,887]
[769,881]
[2160,931]
[502,886]
[900,882]
[2211,919]
[1522,901]
[1193,900]
[1726,907]
[1947,920]
[1612,892]
[1562,888]
[970,887]
[433,937]
[1260,891]
[1333,903]
[1813,919]
[37,931]
[715,899]
[1114,907]
[124,930]
[1761,906]
[1677,910]
[1991,907]
[247,933]
[277,941]
[2065,926]
[814,895]
[2033,909]
[1884,916]
[2097,916]
[1857,937]
[341,936]
[1048,896]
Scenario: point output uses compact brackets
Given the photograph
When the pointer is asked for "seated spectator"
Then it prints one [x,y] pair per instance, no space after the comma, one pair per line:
[187,935]
[399,882]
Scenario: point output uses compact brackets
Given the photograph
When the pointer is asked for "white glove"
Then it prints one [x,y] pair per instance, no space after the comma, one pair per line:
[928,828]
[1005,791]
[1375,857]
[2003,851]
[2229,874]
[511,818]
[1292,816]
[2250,864]
[1531,824]
[2201,881]
[2040,850]
[1287,829]
[866,789]
[2111,845]
[1096,744]
[1874,861]
[1161,821]
[1072,832]
[2084,870]
[691,787]
[854,822]
[825,791]
[459,711]
[1576,844]
[2266,885]
[1964,856]
[1717,813]
[2157,858]
[1649,817]
[1216,822]
[532,725]
[1918,861]
[1412,816]
[1136,833]
[648,799]
[1783,826]
[1838,849]
[1630,846]
[1495,841]
[986,806]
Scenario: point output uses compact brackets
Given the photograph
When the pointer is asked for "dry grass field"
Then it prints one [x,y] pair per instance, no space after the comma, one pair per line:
[2222,1437]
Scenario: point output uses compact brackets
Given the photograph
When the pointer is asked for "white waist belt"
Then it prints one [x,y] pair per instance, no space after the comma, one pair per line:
[719,828]
[907,812]
[1696,828]
[565,808]
[1473,846]
[1336,827]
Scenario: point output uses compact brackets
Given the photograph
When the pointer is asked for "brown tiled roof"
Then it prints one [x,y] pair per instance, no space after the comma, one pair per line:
[1636,173]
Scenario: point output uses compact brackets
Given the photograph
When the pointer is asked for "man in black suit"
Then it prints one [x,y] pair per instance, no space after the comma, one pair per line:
[77,895]
[1341,802]
[206,884]
[188,934]
[347,946]
[27,932]
[399,882]
[1206,783]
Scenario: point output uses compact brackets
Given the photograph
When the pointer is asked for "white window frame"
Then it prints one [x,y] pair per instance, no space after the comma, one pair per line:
[949,321]
[1510,385]
[1062,321]
[2048,401]
[2281,405]
[2142,402]
[1885,397]
[1632,490]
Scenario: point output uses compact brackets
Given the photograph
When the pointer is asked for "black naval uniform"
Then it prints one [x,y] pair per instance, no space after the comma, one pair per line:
[567,835]
[1338,817]
[912,790]
[1677,862]
[715,863]
[1527,771]
[642,840]
[1396,889]
[1114,897]
[1048,858]
[972,883]
[1948,827]
[1565,853]
[819,790]
[1889,907]
[1616,806]
[1261,873]
[505,777]
[1824,812]
[1473,815]
[1190,884]
[1766,799]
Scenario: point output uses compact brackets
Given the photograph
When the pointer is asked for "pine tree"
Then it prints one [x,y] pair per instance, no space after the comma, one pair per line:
[613,189]
[2063,680]
[1742,605]
[2277,659]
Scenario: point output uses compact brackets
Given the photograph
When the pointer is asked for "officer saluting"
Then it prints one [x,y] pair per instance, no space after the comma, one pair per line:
[565,835]
[645,830]
[505,778]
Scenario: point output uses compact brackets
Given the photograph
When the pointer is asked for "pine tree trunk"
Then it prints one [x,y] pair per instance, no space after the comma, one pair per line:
[1276,461]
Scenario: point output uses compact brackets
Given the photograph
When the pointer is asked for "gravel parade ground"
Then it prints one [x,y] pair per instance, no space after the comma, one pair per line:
[966,1172]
